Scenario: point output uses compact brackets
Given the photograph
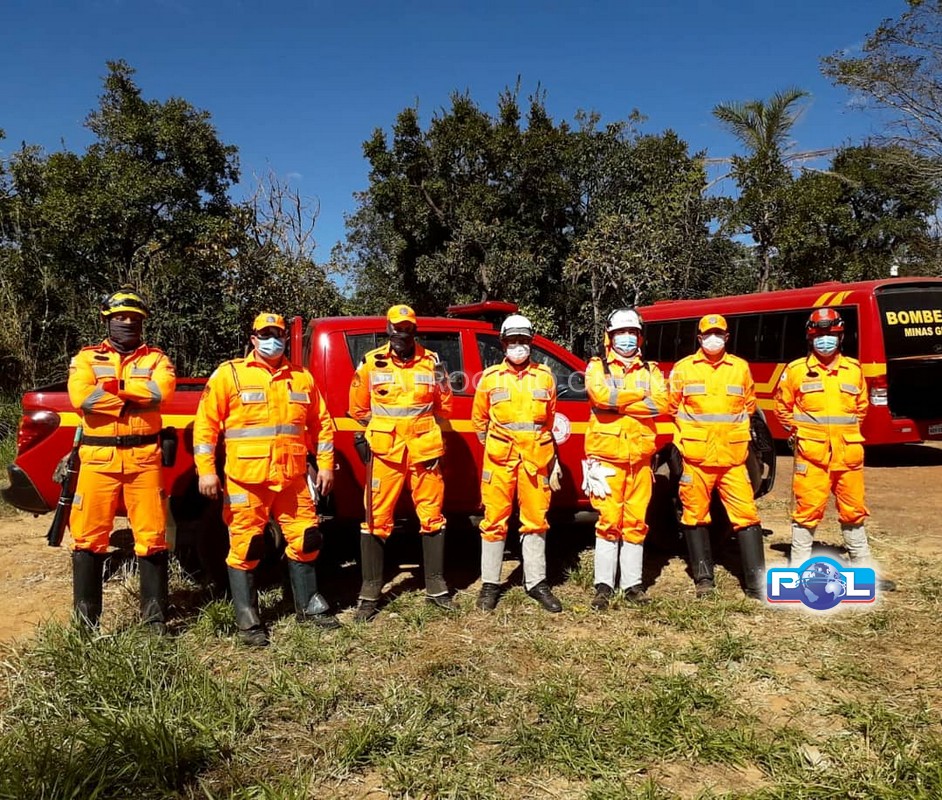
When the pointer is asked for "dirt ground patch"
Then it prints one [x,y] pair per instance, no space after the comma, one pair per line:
[902,493]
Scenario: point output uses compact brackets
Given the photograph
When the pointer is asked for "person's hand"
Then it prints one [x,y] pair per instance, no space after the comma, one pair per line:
[210,485]
[324,481]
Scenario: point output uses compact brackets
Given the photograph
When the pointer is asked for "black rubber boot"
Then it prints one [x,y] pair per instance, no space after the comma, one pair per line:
[545,597]
[433,552]
[372,557]
[309,604]
[245,600]
[752,554]
[153,571]
[700,559]
[86,586]
[488,596]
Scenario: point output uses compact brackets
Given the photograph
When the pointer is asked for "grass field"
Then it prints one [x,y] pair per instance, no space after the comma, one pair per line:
[684,698]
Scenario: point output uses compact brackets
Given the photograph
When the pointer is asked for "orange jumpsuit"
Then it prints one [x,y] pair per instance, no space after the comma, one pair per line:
[120,396]
[625,400]
[711,403]
[271,418]
[400,403]
[824,406]
[512,415]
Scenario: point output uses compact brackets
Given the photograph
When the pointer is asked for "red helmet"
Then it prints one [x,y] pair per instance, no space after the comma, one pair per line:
[824,320]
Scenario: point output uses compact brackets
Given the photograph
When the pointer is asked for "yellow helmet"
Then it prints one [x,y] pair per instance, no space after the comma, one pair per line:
[126,299]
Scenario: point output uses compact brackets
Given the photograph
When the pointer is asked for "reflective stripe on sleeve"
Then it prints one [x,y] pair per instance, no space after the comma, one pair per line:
[325,447]
[240,498]
[203,449]
[94,397]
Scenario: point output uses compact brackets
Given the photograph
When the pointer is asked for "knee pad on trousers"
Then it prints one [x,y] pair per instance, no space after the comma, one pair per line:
[256,549]
[313,539]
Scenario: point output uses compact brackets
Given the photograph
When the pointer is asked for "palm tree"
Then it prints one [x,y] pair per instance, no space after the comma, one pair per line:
[762,127]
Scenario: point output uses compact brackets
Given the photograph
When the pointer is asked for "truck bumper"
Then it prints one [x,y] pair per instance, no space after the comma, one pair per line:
[22,494]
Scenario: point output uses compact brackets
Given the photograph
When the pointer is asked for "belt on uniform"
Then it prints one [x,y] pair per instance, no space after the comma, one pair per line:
[120,441]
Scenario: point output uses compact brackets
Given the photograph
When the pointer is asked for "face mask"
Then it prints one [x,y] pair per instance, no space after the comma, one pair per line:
[625,344]
[126,337]
[713,344]
[825,345]
[271,347]
[518,353]
[402,342]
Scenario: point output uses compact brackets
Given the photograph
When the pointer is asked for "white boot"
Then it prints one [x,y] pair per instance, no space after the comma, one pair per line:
[533,549]
[630,560]
[606,562]
[855,540]
[492,559]
[802,539]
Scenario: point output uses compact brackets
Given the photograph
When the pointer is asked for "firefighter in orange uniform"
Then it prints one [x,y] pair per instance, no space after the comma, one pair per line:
[712,396]
[398,394]
[821,400]
[626,395]
[117,387]
[512,415]
[275,424]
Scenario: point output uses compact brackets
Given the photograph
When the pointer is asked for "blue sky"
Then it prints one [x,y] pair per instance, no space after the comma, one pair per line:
[298,86]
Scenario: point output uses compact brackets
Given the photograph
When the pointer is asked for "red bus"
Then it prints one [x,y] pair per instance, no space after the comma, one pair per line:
[893,326]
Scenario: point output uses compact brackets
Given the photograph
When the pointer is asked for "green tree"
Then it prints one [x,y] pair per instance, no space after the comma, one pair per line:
[146,203]
[899,73]
[762,176]
[870,212]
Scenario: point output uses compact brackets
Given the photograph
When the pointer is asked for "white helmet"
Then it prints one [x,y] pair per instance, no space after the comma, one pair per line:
[622,318]
[516,325]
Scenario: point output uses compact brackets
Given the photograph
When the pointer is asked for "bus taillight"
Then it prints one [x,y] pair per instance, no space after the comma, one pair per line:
[877,388]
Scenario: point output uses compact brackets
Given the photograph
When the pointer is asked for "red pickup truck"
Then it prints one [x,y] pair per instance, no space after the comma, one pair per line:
[331,348]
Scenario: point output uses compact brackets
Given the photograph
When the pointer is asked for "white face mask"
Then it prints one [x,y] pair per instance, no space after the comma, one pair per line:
[713,344]
[518,353]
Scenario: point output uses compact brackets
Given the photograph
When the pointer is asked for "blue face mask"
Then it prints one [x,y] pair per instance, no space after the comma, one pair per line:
[271,347]
[825,345]
[625,344]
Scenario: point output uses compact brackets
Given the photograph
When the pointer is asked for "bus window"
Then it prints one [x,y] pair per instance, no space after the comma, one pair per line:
[745,335]
[769,345]
[685,342]
[652,340]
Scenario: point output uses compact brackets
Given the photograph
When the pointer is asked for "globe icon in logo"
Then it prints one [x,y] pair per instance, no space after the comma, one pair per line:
[822,585]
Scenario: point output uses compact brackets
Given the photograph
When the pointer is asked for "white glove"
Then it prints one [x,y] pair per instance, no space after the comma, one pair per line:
[556,476]
[594,478]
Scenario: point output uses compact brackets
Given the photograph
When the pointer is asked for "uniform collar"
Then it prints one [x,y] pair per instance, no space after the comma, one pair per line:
[510,369]
[253,360]
[419,352]
[632,363]
[107,347]
[701,356]
[815,363]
